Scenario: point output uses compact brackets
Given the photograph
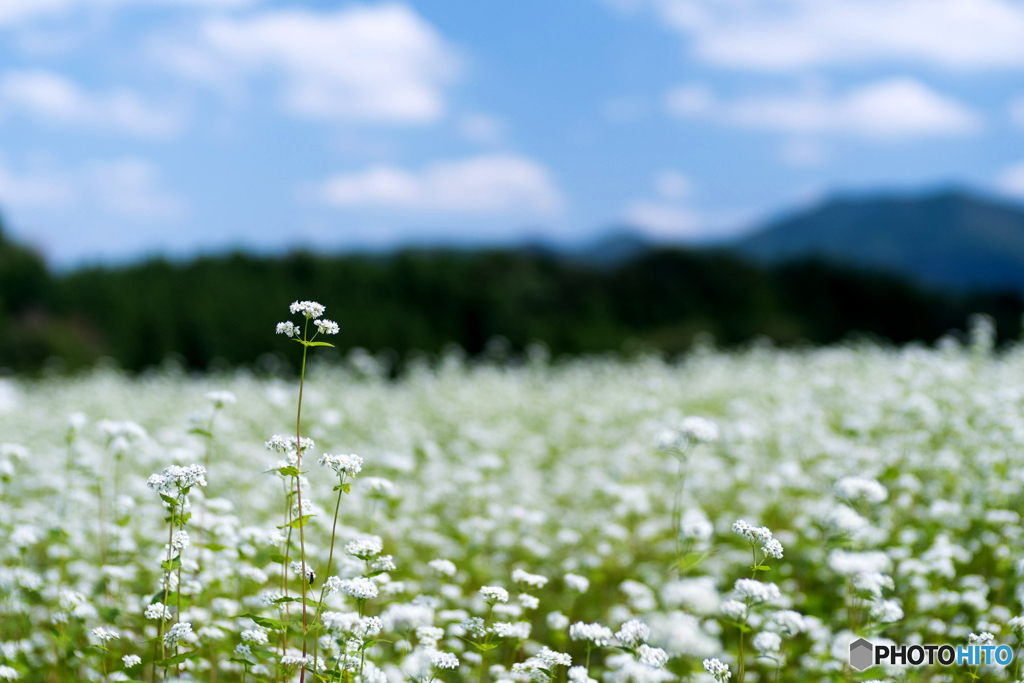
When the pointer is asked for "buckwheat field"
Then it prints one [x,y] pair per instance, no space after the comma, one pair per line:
[728,516]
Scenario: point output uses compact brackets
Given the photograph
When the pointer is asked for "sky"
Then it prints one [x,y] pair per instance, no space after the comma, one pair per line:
[133,128]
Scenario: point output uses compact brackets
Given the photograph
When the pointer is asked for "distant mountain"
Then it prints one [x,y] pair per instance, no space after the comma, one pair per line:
[951,238]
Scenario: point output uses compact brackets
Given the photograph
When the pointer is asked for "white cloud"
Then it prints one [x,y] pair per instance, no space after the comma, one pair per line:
[131,187]
[889,110]
[50,96]
[34,188]
[489,183]
[624,109]
[1017,111]
[482,129]
[803,153]
[380,63]
[125,187]
[780,35]
[690,100]
[13,12]
[672,184]
[1011,180]
[663,220]
[20,12]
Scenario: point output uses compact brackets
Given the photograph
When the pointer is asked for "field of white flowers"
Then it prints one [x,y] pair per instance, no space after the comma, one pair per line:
[566,521]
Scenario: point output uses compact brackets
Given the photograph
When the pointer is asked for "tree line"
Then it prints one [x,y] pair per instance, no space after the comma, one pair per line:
[221,310]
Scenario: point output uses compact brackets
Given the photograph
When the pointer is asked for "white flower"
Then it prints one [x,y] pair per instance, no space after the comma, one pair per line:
[288,328]
[359,588]
[326,326]
[579,674]
[349,465]
[598,634]
[767,642]
[180,631]
[772,549]
[310,309]
[753,534]
[787,622]
[494,593]
[332,585]
[535,580]
[718,669]
[557,621]
[442,567]
[551,658]
[888,611]
[257,636]
[291,660]
[654,657]
[131,661]
[983,638]
[444,660]
[632,633]
[365,547]
[303,569]
[180,541]
[379,487]
[853,488]
[286,444]
[695,525]
[519,630]
[105,635]
[528,601]
[177,477]
[219,399]
[698,429]
[734,609]
[242,650]
[755,592]
[158,611]
[474,626]
[384,563]
[873,583]
[580,584]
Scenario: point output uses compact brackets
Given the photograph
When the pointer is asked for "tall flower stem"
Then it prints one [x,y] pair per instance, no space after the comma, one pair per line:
[298,487]
[330,564]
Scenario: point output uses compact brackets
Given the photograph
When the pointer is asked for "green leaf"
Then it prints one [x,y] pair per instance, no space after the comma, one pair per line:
[296,523]
[215,547]
[285,471]
[168,499]
[201,432]
[309,601]
[244,662]
[278,557]
[319,344]
[482,647]
[266,622]
[172,565]
[347,488]
[761,568]
[176,659]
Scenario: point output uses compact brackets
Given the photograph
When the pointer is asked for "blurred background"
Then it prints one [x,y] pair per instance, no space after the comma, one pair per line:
[592,175]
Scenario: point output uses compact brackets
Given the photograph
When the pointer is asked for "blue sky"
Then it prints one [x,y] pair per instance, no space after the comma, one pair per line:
[136,127]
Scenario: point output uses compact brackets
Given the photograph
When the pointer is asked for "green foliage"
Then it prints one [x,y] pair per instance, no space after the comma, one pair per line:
[217,311]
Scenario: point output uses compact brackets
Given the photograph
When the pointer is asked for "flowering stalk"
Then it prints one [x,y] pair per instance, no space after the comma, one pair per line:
[310,311]
[343,465]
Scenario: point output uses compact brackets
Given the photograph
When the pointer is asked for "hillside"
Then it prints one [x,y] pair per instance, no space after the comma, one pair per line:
[950,239]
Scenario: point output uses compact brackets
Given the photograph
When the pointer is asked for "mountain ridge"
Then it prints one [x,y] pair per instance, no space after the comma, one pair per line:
[951,237]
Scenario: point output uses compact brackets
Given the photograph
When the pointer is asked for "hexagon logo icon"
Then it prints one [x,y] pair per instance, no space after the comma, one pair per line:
[862,654]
